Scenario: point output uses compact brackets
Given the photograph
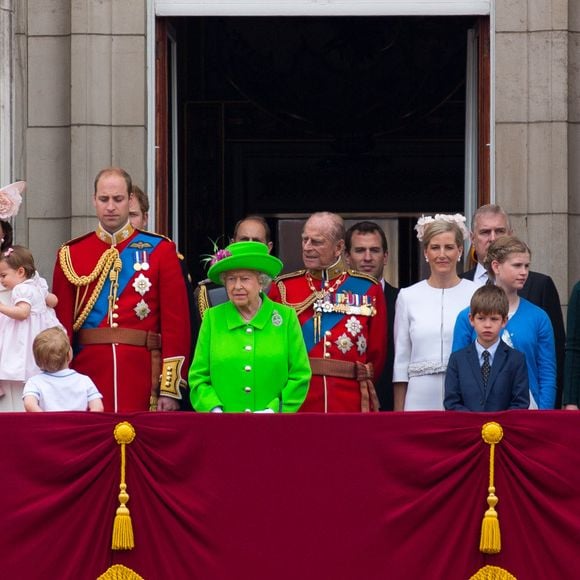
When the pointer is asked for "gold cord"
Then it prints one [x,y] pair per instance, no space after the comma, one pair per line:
[490,540]
[123,538]
[300,307]
[202,300]
[109,264]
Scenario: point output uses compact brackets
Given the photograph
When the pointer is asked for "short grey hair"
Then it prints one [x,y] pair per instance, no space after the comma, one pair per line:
[491,209]
[263,279]
[336,229]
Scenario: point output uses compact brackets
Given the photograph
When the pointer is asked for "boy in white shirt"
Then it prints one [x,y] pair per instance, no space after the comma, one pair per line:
[58,388]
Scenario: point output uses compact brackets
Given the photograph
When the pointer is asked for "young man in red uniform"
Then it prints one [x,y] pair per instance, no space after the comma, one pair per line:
[123,302]
[342,314]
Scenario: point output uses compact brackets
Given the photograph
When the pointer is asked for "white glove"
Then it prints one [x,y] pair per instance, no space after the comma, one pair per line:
[263,412]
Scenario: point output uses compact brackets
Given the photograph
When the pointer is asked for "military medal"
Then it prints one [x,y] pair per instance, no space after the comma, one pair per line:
[344,343]
[145,263]
[142,284]
[141,261]
[324,300]
[142,310]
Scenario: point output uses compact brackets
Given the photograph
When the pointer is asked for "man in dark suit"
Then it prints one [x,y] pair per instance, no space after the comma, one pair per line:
[367,251]
[491,222]
[487,375]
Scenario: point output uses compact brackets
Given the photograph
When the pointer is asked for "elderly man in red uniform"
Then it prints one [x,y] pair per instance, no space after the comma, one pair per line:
[342,314]
[123,302]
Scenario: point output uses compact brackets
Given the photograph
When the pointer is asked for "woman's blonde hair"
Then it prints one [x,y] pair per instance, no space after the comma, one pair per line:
[500,250]
[437,227]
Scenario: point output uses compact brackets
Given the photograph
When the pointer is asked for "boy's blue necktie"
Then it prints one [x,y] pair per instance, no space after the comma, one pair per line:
[485,367]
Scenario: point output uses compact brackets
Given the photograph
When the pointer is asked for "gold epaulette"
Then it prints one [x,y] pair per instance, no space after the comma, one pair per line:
[299,307]
[156,235]
[295,274]
[358,274]
[77,239]
[202,298]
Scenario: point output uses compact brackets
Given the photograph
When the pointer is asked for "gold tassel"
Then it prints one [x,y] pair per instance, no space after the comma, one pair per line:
[120,572]
[490,542]
[122,526]
[492,573]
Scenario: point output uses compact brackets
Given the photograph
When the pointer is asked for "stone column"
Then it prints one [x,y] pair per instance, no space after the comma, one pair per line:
[108,97]
[531,90]
[574,143]
[45,89]
[84,102]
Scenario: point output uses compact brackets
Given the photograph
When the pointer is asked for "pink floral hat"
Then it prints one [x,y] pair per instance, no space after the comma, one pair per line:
[11,198]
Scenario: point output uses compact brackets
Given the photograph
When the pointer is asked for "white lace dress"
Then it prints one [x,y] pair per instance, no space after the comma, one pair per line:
[424,322]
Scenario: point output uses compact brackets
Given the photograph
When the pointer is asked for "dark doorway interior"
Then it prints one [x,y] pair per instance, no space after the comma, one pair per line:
[286,116]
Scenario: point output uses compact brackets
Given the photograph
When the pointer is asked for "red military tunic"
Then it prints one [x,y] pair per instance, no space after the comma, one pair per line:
[151,296]
[348,332]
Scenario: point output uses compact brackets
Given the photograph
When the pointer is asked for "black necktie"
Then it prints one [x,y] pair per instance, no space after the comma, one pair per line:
[485,367]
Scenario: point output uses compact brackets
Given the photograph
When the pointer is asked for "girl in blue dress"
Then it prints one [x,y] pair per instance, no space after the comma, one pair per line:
[528,330]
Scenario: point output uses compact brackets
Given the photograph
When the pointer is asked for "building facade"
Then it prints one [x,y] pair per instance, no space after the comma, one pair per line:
[80,90]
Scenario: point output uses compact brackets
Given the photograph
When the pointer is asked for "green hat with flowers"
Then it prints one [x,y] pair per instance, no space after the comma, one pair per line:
[243,256]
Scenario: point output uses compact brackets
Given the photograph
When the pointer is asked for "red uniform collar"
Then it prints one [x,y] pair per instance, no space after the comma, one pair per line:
[117,237]
[331,272]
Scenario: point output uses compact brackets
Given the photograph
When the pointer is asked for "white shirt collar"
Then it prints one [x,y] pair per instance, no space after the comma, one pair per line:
[480,277]
[492,350]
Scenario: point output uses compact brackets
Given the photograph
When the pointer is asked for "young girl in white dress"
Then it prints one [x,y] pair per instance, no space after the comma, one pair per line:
[20,322]
[425,316]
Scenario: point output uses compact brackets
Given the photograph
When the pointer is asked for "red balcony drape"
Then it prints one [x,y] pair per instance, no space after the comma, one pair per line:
[224,497]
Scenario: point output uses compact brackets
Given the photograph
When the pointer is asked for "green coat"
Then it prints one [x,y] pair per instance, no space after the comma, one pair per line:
[249,366]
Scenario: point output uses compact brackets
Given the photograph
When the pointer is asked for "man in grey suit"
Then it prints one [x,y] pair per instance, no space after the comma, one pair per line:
[491,222]
[367,251]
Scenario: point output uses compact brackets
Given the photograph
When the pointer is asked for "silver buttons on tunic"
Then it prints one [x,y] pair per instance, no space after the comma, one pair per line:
[248,347]
[247,368]
[249,330]
[248,389]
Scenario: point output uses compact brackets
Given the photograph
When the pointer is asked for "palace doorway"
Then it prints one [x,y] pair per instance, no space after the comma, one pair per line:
[371,117]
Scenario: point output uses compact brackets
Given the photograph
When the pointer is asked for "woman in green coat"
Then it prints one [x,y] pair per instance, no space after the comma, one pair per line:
[250,354]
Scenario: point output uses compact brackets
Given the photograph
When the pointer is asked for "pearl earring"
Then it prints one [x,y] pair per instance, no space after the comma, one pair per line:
[426,259]
[459,259]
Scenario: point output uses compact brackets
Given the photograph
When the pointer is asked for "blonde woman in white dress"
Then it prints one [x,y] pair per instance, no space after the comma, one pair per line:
[425,316]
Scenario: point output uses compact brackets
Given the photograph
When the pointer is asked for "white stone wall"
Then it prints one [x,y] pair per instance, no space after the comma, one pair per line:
[532,124]
[81,104]
[83,107]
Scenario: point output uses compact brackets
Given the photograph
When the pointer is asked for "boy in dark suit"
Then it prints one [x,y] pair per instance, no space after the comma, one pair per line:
[487,375]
